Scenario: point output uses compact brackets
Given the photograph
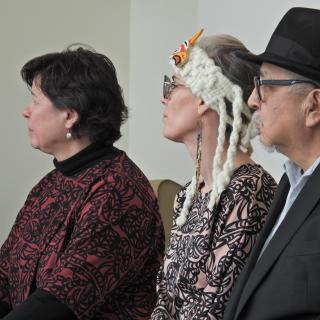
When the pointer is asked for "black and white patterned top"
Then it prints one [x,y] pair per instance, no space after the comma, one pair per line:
[206,255]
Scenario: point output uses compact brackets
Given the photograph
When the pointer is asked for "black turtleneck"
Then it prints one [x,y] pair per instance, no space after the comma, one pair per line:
[41,305]
[86,158]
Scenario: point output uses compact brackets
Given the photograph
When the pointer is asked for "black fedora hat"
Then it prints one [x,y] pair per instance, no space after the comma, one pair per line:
[295,44]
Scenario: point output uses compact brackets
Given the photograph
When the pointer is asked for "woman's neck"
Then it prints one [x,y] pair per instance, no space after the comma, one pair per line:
[207,156]
[71,147]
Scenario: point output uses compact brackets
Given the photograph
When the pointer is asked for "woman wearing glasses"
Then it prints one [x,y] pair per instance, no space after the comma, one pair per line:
[218,215]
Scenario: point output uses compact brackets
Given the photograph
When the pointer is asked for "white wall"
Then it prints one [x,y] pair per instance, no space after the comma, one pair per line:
[31,28]
[157,28]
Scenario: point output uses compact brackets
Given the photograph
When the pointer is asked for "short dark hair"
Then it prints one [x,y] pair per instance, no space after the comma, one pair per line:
[85,81]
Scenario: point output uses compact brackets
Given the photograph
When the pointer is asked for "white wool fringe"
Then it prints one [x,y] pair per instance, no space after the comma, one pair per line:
[250,131]
[229,165]
[217,160]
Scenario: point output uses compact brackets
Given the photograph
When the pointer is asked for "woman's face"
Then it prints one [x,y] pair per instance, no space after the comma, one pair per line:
[180,115]
[46,123]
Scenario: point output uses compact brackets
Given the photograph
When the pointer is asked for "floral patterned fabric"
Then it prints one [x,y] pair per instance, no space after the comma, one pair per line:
[206,255]
[94,240]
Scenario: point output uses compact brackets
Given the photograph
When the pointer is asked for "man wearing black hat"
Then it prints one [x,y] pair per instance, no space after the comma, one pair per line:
[281,279]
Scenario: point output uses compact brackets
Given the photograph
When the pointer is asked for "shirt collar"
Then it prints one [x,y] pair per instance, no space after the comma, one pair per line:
[295,173]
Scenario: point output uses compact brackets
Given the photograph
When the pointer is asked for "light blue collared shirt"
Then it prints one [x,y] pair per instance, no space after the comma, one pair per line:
[297,180]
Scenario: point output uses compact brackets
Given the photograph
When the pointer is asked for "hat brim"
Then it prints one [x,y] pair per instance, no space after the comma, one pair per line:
[304,70]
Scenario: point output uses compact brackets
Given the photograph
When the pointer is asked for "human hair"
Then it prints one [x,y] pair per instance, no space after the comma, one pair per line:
[85,81]
[224,50]
[299,88]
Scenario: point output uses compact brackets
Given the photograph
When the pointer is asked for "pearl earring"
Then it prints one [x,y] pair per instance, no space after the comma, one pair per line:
[68,135]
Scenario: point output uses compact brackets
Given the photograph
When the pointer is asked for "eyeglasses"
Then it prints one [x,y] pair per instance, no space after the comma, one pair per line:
[169,86]
[259,82]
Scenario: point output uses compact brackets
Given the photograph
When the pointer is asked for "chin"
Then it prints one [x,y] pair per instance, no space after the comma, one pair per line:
[34,142]
[167,134]
[171,137]
[34,145]
[37,146]
[267,145]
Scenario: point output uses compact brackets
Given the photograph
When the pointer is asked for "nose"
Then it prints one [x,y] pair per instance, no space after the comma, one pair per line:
[26,112]
[253,101]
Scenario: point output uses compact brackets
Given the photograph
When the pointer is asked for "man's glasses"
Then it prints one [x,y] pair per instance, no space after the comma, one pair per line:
[259,82]
[169,86]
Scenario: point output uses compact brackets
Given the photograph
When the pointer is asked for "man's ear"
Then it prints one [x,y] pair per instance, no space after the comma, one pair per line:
[72,117]
[312,108]
[202,108]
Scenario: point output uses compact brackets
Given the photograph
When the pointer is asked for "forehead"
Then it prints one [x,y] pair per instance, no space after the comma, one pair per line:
[272,71]
[36,86]
[36,82]
[177,79]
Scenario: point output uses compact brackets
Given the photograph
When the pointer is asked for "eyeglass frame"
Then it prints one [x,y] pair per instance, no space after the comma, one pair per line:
[287,82]
[169,86]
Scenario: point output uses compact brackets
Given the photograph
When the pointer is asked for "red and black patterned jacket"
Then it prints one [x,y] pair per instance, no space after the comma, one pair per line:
[91,236]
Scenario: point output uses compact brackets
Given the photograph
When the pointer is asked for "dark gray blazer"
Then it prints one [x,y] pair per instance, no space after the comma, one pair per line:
[285,282]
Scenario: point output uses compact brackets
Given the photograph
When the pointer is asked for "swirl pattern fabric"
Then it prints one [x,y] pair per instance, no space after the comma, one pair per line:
[206,255]
[94,240]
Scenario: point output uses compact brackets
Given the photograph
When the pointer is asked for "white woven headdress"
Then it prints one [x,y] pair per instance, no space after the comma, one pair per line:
[206,80]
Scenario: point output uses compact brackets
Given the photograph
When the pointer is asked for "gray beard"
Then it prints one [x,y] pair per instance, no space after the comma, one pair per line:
[269,149]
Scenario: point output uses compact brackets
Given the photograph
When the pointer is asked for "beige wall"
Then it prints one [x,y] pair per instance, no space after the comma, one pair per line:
[31,28]
[157,29]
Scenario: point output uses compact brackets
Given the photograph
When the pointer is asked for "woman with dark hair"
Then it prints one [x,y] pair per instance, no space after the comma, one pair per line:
[219,214]
[88,242]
